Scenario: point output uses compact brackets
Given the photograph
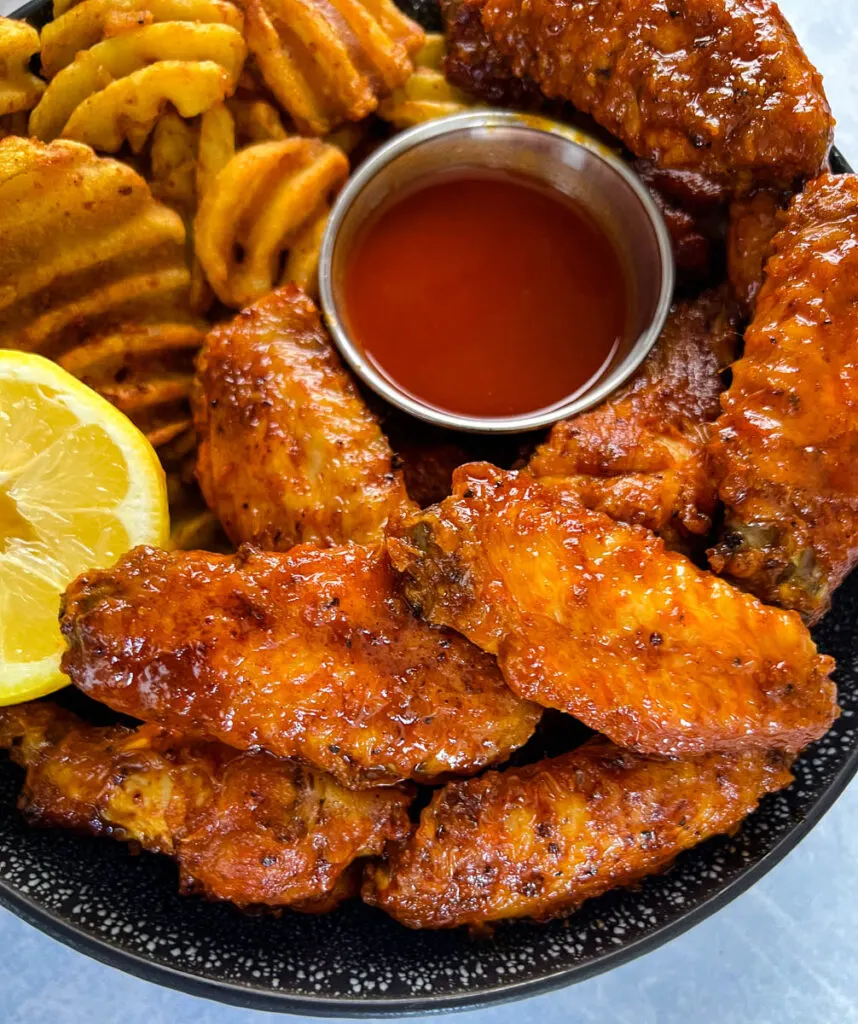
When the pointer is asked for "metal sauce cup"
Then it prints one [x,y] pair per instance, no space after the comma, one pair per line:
[552,155]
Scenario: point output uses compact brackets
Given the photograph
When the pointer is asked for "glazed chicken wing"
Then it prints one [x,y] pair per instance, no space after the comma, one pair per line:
[640,457]
[539,841]
[754,221]
[288,450]
[312,654]
[716,86]
[596,619]
[245,827]
[787,445]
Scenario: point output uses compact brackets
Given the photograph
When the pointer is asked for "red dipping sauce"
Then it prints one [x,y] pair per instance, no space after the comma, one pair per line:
[485,295]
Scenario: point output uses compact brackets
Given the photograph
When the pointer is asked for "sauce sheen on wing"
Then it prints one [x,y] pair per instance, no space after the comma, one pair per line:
[786,448]
[717,86]
[312,654]
[289,452]
[597,619]
[250,828]
[539,841]
[640,457]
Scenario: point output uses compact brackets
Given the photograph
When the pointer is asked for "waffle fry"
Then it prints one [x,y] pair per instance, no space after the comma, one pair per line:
[144,370]
[128,109]
[330,61]
[89,22]
[85,247]
[426,94]
[19,89]
[186,156]
[270,198]
[93,70]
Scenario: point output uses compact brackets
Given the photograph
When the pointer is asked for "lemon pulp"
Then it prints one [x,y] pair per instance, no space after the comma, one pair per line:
[79,485]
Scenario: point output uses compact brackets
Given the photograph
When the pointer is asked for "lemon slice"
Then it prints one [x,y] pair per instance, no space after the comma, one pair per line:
[79,485]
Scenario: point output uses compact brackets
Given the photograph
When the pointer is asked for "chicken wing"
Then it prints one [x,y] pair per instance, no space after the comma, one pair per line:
[539,841]
[693,209]
[248,828]
[754,221]
[641,456]
[473,62]
[596,619]
[717,86]
[786,449]
[288,450]
[311,654]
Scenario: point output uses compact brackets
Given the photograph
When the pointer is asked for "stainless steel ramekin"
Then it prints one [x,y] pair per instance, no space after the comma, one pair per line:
[551,154]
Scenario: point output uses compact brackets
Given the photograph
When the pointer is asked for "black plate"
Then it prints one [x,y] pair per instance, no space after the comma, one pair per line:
[125,911]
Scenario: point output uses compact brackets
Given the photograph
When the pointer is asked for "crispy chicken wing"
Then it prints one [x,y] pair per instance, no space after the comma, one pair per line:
[596,619]
[311,654]
[474,63]
[754,221]
[693,209]
[787,445]
[288,450]
[539,841]
[717,86]
[640,457]
[250,828]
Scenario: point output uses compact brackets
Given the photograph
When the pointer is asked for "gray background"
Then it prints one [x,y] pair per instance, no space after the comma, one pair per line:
[784,953]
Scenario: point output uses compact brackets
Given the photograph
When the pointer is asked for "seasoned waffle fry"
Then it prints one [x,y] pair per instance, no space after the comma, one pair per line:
[216,144]
[256,120]
[184,157]
[146,371]
[270,198]
[115,58]
[89,22]
[85,248]
[19,89]
[426,94]
[173,160]
[128,108]
[187,156]
[329,61]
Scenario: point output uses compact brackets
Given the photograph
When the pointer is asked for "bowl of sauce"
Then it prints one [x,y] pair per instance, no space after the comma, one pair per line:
[495,272]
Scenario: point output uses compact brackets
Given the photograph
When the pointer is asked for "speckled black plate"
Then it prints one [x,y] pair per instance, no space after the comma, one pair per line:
[125,910]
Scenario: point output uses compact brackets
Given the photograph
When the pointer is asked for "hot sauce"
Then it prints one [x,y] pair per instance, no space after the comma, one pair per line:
[485,295]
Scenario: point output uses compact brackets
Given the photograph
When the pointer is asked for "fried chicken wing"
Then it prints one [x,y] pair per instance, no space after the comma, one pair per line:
[288,450]
[475,64]
[539,841]
[596,619]
[787,445]
[693,210]
[250,828]
[640,457]
[754,221]
[717,86]
[312,654]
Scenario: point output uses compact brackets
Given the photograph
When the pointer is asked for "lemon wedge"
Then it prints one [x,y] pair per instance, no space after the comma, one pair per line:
[79,485]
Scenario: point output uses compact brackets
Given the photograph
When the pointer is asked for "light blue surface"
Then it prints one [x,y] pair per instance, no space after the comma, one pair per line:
[784,953]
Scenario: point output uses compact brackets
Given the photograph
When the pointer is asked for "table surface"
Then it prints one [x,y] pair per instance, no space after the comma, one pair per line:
[786,952]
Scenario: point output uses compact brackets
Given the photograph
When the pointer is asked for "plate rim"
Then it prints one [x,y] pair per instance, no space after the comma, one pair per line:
[278,1001]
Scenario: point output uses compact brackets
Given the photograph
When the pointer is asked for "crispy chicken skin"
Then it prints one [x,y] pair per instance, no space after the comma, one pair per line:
[640,457]
[716,86]
[473,62]
[250,828]
[311,654]
[786,450]
[288,451]
[754,221]
[539,841]
[693,210]
[596,619]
